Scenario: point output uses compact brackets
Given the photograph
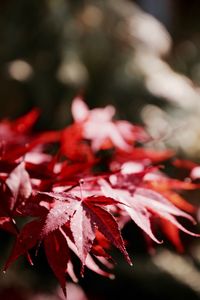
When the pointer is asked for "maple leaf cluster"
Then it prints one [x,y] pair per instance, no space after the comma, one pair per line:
[81,185]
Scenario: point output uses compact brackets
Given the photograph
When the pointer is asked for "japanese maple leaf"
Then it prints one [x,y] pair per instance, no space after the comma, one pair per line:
[30,144]
[89,262]
[10,129]
[16,133]
[25,123]
[84,215]
[6,217]
[135,173]
[15,190]
[172,233]
[55,245]
[140,154]
[73,146]
[79,211]
[83,232]
[184,164]
[163,182]
[142,203]
[99,128]
[168,187]
[19,184]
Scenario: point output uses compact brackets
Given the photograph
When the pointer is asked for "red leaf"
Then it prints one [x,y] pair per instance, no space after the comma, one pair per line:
[142,203]
[162,207]
[90,263]
[98,127]
[7,224]
[70,170]
[179,201]
[156,202]
[73,146]
[25,123]
[76,207]
[19,183]
[172,233]
[107,225]
[27,239]
[139,154]
[163,183]
[99,251]
[59,214]
[101,200]
[184,164]
[138,213]
[40,139]
[83,232]
[57,252]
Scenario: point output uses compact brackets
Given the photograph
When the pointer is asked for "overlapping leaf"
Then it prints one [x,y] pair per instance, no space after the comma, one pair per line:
[78,209]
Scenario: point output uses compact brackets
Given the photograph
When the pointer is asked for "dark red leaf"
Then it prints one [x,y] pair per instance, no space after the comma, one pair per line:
[101,200]
[184,164]
[83,232]
[73,146]
[57,252]
[25,123]
[108,226]
[27,239]
[172,233]
[40,139]
[8,224]
[19,183]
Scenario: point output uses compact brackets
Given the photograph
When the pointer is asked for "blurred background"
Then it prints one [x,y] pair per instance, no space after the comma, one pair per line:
[141,56]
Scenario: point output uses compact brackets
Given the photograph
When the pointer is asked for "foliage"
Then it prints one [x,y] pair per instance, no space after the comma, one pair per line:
[81,185]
